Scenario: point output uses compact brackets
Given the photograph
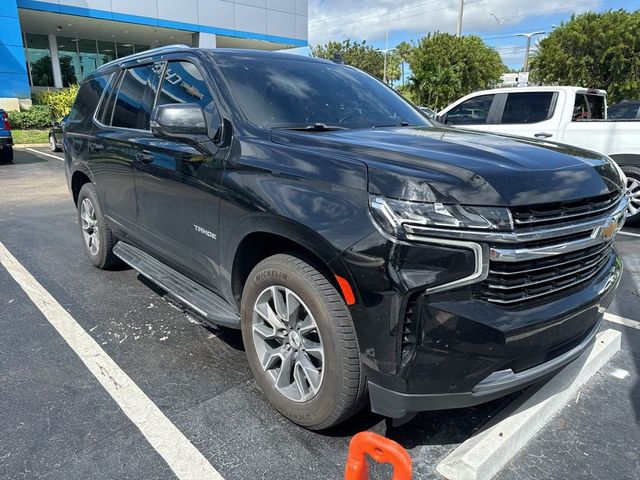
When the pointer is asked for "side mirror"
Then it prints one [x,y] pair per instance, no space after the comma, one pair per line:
[55,123]
[441,118]
[185,122]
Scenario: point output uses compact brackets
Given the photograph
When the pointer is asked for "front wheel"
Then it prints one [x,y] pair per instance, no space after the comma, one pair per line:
[96,235]
[301,343]
[633,189]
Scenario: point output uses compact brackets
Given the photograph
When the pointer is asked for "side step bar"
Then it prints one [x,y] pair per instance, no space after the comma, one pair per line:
[211,306]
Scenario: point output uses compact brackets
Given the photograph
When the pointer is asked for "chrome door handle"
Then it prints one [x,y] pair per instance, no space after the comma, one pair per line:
[543,135]
[144,156]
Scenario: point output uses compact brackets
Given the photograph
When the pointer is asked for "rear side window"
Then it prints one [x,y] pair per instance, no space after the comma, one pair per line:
[588,107]
[86,103]
[474,111]
[134,99]
[528,107]
[183,83]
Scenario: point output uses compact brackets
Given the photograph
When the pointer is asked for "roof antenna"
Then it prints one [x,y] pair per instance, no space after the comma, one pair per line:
[337,58]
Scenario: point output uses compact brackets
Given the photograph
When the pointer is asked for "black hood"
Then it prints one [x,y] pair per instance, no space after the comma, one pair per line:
[474,168]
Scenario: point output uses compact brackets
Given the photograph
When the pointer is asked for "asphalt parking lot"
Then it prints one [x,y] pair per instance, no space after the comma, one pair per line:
[57,421]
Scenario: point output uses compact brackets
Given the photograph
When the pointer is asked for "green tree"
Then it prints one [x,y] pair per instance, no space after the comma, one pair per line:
[599,50]
[362,56]
[445,67]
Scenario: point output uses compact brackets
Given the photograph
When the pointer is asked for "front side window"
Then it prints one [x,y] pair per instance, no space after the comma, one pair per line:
[134,99]
[529,107]
[284,92]
[183,83]
[474,111]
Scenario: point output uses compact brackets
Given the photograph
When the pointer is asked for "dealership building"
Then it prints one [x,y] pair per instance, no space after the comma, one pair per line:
[56,43]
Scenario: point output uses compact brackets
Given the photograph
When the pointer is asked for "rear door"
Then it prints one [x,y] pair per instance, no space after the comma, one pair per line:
[178,185]
[122,120]
[530,114]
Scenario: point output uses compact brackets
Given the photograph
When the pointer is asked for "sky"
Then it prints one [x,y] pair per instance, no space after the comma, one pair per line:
[407,20]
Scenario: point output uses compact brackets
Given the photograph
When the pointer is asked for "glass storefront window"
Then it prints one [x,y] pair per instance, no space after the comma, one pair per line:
[106,52]
[38,58]
[124,49]
[69,61]
[141,48]
[88,56]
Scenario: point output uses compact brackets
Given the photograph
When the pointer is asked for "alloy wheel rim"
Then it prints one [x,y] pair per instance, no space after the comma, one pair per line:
[633,190]
[89,226]
[288,343]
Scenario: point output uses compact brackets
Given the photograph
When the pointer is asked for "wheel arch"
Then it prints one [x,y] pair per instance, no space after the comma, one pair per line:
[78,179]
[266,236]
[626,159]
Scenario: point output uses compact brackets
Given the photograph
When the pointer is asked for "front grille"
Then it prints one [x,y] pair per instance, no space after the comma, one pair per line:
[513,282]
[562,212]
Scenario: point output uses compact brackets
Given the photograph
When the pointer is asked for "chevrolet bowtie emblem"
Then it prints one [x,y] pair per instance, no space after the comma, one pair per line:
[609,229]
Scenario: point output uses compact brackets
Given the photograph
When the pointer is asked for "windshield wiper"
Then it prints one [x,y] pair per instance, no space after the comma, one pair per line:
[401,124]
[314,127]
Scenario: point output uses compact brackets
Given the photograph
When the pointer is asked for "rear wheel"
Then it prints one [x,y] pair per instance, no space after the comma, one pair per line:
[96,235]
[301,343]
[52,144]
[633,188]
[6,155]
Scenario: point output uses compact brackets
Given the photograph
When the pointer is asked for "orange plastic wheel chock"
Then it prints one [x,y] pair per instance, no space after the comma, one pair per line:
[381,450]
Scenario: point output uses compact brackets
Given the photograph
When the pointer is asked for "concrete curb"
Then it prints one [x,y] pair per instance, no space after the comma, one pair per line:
[484,454]
[22,146]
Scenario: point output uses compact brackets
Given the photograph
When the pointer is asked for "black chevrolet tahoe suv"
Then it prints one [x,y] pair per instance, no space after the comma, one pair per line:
[367,253]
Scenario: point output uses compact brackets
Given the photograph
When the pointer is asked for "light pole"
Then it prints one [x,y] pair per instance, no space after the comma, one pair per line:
[386,51]
[526,53]
[459,31]
[499,21]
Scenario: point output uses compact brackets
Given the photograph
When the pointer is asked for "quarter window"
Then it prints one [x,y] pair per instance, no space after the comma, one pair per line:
[474,111]
[530,107]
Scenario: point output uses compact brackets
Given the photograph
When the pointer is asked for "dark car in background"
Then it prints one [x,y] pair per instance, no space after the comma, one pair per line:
[365,252]
[6,139]
[625,110]
[55,135]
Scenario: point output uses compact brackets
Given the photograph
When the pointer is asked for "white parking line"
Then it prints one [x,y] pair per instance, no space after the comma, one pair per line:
[181,456]
[45,154]
[610,317]
[621,232]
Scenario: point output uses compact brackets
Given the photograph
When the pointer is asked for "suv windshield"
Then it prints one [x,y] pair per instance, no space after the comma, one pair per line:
[290,93]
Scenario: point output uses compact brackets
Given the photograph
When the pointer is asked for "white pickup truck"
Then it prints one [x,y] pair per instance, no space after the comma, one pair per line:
[570,115]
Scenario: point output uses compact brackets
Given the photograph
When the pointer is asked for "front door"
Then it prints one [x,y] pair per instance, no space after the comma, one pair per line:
[177,187]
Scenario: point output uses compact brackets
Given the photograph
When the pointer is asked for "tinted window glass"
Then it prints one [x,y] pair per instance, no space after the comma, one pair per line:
[86,103]
[134,100]
[285,92]
[106,109]
[183,83]
[528,107]
[588,107]
[624,111]
[471,112]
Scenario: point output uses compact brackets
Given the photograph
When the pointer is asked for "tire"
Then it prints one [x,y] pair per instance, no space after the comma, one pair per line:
[97,237]
[341,389]
[6,155]
[633,184]
[52,144]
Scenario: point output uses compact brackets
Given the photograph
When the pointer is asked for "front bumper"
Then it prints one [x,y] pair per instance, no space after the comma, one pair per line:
[500,383]
[425,350]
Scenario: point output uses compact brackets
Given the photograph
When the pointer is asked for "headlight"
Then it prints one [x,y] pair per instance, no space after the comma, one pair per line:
[391,215]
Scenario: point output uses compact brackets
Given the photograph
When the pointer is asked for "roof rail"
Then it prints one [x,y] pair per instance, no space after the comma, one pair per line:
[152,51]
